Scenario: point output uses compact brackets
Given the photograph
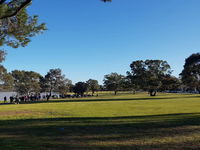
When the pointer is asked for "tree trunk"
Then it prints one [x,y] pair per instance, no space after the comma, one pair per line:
[48,96]
[115,92]
[92,93]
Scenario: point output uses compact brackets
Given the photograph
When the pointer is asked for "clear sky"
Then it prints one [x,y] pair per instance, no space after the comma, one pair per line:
[89,38]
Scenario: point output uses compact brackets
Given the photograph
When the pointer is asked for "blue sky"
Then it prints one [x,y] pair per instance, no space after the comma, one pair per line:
[88,38]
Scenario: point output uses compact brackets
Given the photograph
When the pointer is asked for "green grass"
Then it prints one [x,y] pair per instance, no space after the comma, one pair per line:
[125,121]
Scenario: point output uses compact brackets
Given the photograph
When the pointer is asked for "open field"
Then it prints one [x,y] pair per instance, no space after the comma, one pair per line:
[125,121]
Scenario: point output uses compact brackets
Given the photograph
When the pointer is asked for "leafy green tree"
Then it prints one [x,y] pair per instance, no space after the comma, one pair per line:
[80,88]
[16,26]
[170,83]
[55,81]
[190,75]
[114,82]
[129,85]
[64,86]
[6,80]
[12,8]
[26,82]
[147,74]
[93,85]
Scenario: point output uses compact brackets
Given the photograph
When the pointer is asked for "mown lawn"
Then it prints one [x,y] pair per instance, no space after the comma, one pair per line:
[125,121]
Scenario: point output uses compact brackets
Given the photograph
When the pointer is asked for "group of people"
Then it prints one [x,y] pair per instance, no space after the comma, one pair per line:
[76,95]
[17,99]
[36,97]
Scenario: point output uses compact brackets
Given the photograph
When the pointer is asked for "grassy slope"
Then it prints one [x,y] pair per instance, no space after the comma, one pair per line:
[168,121]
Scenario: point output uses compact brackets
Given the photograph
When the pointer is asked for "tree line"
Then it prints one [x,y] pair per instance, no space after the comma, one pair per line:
[144,75]
[156,75]
[29,82]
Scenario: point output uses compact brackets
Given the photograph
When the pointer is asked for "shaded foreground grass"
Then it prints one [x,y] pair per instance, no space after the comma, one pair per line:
[170,122]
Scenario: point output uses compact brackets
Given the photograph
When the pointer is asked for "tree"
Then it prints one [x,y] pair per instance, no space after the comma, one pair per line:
[16,26]
[114,82]
[26,82]
[64,86]
[170,83]
[12,8]
[55,81]
[190,75]
[129,85]
[147,74]
[93,85]
[80,88]
[6,80]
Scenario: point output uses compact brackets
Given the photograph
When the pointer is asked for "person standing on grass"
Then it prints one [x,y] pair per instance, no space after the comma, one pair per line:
[5,99]
[11,99]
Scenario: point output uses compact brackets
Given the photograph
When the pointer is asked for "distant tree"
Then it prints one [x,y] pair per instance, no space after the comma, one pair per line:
[114,82]
[64,86]
[147,74]
[55,81]
[26,82]
[93,85]
[80,88]
[101,88]
[6,80]
[128,85]
[170,83]
[190,75]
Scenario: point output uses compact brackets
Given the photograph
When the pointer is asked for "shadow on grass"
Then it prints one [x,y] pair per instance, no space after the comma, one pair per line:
[90,133]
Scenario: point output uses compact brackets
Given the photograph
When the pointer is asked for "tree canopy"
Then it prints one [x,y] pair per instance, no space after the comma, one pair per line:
[55,81]
[16,25]
[147,74]
[80,88]
[191,72]
[114,82]
[26,82]
[92,85]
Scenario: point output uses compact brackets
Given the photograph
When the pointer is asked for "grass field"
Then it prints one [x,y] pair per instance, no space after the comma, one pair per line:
[125,121]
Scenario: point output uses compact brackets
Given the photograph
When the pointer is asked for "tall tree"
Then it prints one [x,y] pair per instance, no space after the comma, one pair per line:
[16,25]
[54,81]
[170,83]
[80,88]
[93,85]
[64,86]
[114,82]
[147,74]
[17,30]
[6,80]
[191,72]
[26,82]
